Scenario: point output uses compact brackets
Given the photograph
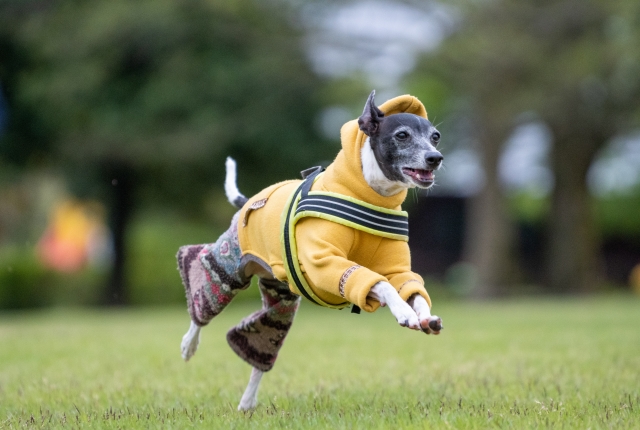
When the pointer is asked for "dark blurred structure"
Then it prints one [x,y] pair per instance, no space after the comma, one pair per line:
[437,226]
[4,112]
[621,255]
[437,242]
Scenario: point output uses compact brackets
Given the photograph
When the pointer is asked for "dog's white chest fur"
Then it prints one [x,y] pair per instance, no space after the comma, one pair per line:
[374,175]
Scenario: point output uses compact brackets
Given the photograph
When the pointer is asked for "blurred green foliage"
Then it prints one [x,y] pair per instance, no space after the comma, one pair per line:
[615,215]
[154,242]
[25,283]
[618,215]
[139,103]
[169,87]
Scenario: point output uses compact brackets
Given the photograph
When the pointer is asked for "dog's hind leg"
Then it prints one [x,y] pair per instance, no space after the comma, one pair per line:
[190,341]
[211,280]
[259,337]
[250,397]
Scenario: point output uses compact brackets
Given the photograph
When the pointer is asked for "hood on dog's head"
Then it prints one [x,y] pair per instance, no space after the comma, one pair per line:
[403,104]
[345,176]
[372,115]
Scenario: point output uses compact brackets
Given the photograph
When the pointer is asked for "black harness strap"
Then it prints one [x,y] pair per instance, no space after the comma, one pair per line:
[304,187]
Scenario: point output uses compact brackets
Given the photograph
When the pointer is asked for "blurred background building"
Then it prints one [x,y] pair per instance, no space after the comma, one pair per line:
[116,118]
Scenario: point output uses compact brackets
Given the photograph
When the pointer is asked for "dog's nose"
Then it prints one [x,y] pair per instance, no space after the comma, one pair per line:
[434,159]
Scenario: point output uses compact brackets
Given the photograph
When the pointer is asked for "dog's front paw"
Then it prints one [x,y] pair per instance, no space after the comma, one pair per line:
[405,316]
[432,325]
[403,313]
[388,296]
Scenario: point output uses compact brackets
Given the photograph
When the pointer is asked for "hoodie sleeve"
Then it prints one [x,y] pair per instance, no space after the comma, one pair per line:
[393,260]
[327,268]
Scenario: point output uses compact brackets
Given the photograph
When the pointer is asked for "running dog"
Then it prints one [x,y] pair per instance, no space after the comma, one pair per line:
[338,238]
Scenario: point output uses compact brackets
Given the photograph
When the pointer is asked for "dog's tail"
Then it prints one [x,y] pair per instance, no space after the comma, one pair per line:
[230,188]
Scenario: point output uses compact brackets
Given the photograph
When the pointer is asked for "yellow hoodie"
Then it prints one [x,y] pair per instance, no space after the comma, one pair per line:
[338,262]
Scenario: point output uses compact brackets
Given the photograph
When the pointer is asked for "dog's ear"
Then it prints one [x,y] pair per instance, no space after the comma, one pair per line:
[371,117]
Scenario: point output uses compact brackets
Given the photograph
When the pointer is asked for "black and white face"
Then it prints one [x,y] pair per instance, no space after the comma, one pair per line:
[405,149]
[404,145]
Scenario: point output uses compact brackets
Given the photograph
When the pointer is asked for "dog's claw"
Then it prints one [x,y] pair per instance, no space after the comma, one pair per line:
[408,323]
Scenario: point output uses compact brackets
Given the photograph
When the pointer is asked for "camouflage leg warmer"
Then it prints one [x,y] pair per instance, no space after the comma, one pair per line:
[210,275]
[259,337]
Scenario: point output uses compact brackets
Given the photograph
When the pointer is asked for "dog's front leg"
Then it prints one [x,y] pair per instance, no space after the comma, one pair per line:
[388,296]
[429,323]
[250,397]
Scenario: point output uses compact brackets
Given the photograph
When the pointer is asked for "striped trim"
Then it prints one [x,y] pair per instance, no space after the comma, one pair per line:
[345,276]
[408,282]
[258,203]
[357,215]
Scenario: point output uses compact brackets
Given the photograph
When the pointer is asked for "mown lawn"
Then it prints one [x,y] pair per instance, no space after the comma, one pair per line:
[565,363]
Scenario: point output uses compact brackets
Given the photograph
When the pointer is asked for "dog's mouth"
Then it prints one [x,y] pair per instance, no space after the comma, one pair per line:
[422,178]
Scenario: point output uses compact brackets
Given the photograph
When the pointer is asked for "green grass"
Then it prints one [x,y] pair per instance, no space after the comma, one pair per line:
[570,363]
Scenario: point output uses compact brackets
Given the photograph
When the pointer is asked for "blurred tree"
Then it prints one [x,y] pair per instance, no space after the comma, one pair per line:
[153,94]
[575,65]
[481,69]
[588,93]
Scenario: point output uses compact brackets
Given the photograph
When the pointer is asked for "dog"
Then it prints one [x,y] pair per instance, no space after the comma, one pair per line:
[389,150]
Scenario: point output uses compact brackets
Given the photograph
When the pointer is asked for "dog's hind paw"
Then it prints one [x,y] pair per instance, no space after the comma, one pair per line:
[250,397]
[247,405]
[190,341]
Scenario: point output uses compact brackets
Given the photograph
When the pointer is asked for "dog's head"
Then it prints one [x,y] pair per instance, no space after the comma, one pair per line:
[404,145]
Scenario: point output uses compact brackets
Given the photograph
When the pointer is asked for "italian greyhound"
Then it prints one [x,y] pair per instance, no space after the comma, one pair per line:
[399,153]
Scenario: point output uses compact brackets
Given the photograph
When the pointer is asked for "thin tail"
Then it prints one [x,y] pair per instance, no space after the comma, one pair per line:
[234,195]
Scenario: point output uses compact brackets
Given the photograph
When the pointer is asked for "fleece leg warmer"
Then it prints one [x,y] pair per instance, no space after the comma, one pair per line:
[259,337]
[211,276]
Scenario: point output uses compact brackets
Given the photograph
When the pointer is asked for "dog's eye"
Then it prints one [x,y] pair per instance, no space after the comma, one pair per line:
[402,135]
[435,137]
